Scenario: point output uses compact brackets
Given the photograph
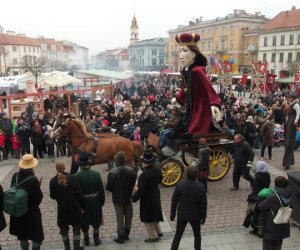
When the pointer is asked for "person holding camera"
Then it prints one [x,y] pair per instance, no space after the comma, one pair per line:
[23,131]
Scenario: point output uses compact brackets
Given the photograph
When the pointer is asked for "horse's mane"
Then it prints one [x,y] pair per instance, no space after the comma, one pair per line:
[81,127]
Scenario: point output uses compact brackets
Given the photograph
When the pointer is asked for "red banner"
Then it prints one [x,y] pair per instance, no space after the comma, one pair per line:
[270,81]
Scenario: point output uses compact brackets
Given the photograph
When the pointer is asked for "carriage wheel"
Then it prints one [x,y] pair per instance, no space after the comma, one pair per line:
[187,158]
[219,164]
[171,172]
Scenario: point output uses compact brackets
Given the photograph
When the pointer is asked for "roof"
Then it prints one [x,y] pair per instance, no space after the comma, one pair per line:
[48,41]
[6,39]
[288,18]
[107,73]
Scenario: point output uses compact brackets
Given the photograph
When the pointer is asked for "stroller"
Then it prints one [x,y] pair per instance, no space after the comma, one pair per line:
[278,135]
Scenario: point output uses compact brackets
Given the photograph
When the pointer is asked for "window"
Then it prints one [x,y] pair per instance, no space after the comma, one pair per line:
[217,46]
[161,61]
[290,56]
[154,63]
[15,61]
[291,39]
[298,42]
[223,44]
[231,44]
[265,41]
[24,49]
[209,45]
[231,30]
[298,57]
[273,59]
[264,57]
[274,41]
[29,49]
[33,49]
[154,52]
[14,48]
[49,47]
[161,52]
[282,38]
[281,57]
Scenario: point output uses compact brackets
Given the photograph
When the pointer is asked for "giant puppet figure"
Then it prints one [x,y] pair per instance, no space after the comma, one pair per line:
[196,93]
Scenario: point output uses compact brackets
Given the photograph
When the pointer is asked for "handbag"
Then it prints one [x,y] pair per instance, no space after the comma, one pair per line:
[284,213]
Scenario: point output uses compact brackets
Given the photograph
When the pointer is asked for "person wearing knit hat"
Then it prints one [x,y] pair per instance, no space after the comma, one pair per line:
[120,183]
[261,167]
[196,93]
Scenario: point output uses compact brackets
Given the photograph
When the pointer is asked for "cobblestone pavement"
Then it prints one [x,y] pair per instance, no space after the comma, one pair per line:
[223,230]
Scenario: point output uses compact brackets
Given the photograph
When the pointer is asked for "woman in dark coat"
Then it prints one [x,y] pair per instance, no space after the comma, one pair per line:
[66,190]
[149,195]
[29,226]
[267,135]
[2,218]
[273,234]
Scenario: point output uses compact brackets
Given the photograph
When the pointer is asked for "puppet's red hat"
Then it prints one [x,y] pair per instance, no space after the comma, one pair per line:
[187,39]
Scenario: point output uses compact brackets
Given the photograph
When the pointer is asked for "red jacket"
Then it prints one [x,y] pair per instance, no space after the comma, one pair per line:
[204,96]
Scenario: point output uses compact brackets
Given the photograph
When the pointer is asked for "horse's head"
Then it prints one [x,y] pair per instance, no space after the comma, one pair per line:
[63,129]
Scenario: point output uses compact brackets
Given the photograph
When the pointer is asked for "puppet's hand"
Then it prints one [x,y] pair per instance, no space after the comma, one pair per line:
[216,114]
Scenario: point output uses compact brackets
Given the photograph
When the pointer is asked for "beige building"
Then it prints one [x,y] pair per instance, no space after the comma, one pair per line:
[221,36]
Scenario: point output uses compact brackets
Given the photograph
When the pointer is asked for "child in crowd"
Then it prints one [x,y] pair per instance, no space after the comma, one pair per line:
[16,145]
[2,141]
[137,135]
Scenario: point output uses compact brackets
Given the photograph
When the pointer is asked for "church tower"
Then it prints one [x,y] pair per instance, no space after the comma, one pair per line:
[134,35]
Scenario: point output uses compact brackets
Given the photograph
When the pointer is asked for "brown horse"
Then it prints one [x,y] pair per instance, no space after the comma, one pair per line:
[102,147]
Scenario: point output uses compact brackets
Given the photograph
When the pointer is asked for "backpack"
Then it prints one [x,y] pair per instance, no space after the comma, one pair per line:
[284,213]
[15,201]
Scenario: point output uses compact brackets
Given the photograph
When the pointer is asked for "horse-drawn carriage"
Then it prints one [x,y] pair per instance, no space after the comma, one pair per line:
[172,167]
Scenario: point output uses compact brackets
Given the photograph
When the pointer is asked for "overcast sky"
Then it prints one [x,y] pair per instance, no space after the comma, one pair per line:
[105,24]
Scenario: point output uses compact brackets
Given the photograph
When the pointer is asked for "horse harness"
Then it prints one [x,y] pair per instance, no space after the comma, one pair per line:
[78,150]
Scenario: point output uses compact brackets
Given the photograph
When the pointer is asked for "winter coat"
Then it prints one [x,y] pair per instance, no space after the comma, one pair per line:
[250,130]
[29,226]
[189,198]
[271,205]
[93,196]
[24,133]
[69,200]
[203,157]
[2,218]
[267,133]
[242,153]
[261,181]
[149,195]
[120,182]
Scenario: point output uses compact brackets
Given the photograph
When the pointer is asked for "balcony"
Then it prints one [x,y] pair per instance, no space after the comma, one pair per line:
[221,51]
[252,49]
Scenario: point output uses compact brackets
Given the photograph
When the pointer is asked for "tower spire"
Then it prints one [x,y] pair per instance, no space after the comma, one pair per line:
[134,35]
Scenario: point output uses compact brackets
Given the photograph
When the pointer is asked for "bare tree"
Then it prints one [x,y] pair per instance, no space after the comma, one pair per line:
[35,65]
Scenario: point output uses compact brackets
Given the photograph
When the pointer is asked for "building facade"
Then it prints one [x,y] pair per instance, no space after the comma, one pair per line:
[222,36]
[148,55]
[279,42]
[13,48]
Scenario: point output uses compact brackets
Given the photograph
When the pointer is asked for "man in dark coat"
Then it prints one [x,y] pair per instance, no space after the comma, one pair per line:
[93,198]
[120,182]
[28,226]
[243,157]
[290,137]
[2,218]
[273,234]
[66,190]
[149,195]
[8,128]
[189,199]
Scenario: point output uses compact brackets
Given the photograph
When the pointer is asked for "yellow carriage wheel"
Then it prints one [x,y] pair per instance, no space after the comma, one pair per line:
[219,164]
[187,157]
[171,172]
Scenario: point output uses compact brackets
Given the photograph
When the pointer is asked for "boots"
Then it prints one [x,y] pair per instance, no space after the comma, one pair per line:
[67,244]
[86,238]
[126,235]
[97,240]
[119,239]
[77,245]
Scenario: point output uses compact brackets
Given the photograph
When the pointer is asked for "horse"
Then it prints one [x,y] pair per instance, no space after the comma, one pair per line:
[101,148]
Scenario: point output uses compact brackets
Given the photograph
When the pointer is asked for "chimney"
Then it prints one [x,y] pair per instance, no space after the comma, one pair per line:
[10,32]
[293,7]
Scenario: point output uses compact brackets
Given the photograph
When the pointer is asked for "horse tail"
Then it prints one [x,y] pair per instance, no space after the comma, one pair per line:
[138,151]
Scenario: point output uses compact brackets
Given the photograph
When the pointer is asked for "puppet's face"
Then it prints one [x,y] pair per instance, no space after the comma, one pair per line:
[187,56]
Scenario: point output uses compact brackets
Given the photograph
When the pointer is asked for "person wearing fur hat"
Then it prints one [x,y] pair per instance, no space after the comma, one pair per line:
[149,195]
[29,226]
[93,198]
[196,93]
[120,182]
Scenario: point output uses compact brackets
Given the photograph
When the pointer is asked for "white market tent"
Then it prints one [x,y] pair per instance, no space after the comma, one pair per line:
[57,79]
